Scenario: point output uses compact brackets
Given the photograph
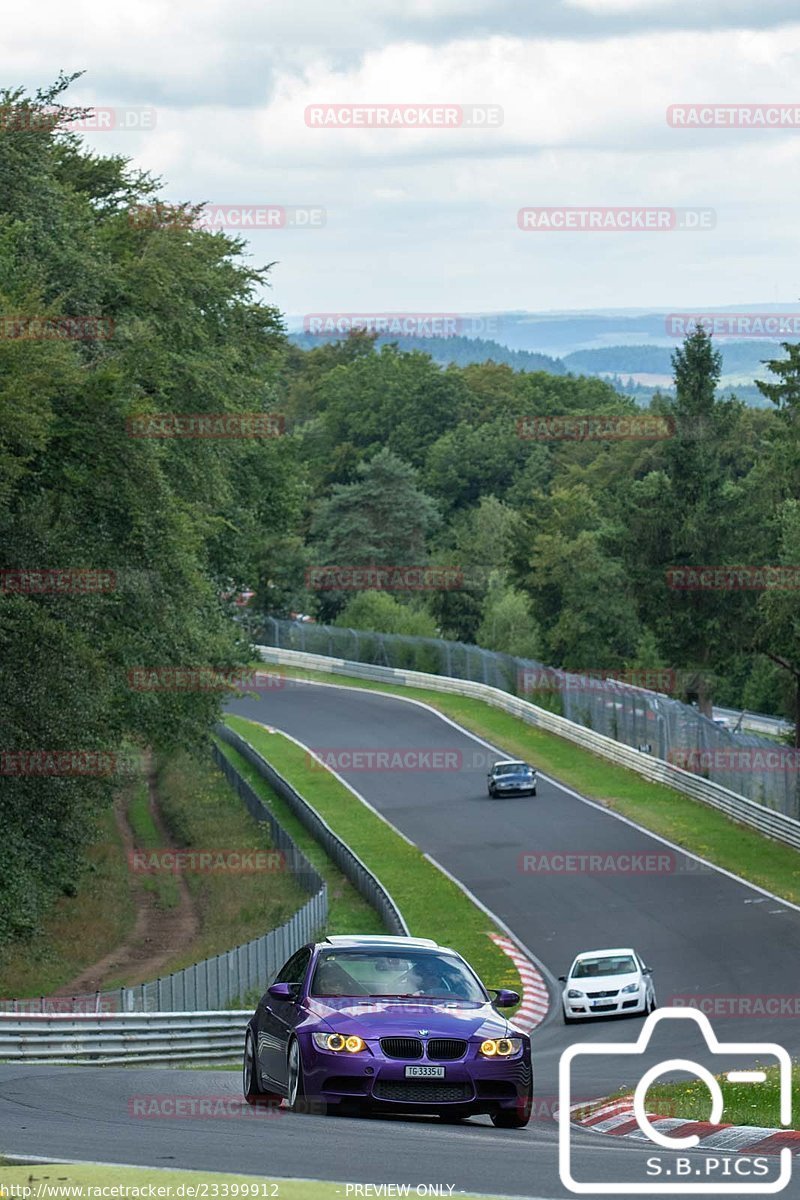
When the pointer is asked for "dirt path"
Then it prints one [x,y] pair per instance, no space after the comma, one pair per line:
[158,935]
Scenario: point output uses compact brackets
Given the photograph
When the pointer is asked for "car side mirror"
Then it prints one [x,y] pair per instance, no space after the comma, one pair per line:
[284,991]
[505,998]
[647,971]
[562,979]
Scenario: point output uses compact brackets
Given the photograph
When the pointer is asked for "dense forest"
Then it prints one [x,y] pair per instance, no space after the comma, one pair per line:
[386,458]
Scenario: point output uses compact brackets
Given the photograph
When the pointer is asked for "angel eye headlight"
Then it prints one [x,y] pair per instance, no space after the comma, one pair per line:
[501,1047]
[338,1042]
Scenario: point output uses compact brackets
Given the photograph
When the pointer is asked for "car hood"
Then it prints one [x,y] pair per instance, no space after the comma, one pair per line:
[604,983]
[386,1018]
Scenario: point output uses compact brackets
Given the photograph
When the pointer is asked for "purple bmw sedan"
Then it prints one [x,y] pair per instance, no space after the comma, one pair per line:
[394,1024]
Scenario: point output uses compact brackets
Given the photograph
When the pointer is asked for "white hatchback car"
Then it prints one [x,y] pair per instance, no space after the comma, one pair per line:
[602,983]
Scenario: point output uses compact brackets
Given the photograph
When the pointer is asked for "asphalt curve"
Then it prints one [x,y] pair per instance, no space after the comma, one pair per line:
[704,933]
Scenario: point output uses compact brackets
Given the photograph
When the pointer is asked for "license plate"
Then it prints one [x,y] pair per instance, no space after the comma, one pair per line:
[424,1072]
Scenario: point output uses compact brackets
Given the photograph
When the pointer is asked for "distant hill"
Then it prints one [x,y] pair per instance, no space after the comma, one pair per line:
[630,348]
[738,358]
[458,350]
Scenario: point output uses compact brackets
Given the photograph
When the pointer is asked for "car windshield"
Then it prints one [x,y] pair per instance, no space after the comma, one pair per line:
[512,769]
[396,974]
[590,968]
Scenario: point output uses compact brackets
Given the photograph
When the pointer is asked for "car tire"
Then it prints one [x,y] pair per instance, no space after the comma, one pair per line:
[652,1004]
[492,793]
[297,1098]
[533,791]
[514,1118]
[568,1020]
[251,1078]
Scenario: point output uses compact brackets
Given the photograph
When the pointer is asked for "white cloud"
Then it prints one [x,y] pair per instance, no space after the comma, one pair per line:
[421,219]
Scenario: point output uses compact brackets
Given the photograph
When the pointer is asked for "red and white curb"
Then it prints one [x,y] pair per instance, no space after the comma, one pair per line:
[535,996]
[617,1118]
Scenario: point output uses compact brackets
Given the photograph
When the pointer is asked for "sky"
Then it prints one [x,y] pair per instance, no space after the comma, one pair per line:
[574,96]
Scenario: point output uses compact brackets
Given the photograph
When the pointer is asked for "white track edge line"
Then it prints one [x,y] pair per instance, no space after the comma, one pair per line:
[562,786]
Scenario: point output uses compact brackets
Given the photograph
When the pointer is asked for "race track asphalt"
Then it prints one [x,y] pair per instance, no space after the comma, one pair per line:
[704,933]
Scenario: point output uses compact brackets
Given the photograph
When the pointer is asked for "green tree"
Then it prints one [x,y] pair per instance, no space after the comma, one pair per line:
[179,329]
[779,633]
[508,623]
[383,613]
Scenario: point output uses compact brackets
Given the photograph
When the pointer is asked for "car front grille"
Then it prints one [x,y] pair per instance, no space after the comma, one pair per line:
[422,1091]
[446,1049]
[401,1047]
[601,995]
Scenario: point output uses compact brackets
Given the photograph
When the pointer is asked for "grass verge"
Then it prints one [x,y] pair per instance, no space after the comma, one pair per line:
[201,811]
[744,1103]
[147,837]
[432,904]
[348,911]
[79,929]
[691,825]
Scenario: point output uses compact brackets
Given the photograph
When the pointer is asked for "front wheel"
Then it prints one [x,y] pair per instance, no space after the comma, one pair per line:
[492,793]
[514,1118]
[297,1098]
[533,791]
[251,1081]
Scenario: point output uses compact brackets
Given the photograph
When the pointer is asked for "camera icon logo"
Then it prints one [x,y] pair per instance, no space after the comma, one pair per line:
[623,1050]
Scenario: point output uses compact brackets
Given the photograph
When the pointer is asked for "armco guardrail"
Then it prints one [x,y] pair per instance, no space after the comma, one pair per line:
[349,863]
[643,718]
[109,1038]
[740,808]
[226,978]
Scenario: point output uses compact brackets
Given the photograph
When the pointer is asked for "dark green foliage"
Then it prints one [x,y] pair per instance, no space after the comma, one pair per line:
[174,520]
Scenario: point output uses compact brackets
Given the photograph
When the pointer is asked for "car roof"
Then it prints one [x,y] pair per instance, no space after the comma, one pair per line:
[379,940]
[605,953]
